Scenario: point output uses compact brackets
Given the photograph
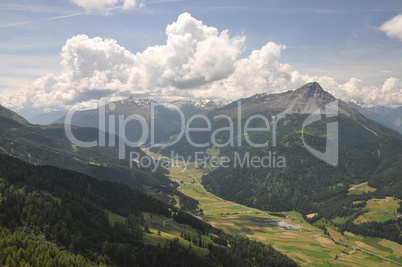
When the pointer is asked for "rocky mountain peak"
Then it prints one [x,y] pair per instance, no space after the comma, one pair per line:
[313,90]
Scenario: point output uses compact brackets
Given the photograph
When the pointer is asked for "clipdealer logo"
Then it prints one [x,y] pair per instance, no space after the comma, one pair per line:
[241,129]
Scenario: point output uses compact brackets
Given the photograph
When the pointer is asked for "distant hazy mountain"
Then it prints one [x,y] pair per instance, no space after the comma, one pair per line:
[47,118]
[165,120]
[49,145]
[390,117]
[166,117]
[191,108]
[126,107]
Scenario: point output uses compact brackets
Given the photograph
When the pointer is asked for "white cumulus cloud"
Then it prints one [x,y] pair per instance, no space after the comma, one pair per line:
[197,61]
[194,55]
[389,94]
[102,5]
[393,27]
[262,71]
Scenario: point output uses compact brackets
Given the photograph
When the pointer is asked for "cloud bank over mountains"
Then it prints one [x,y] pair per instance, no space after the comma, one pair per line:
[197,62]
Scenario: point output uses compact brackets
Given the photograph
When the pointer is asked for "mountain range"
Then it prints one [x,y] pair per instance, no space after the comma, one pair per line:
[49,145]
[188,107]
[388,116]
[367,152]
[54,213]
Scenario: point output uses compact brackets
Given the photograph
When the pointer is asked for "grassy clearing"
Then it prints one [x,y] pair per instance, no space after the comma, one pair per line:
[361,189]
[74,147]
[161,234]
[171,230]
[379,210]
[113,217]
[353,237]
[297,217]
[213,151]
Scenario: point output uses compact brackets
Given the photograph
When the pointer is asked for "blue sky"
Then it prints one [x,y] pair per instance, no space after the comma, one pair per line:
[339,40]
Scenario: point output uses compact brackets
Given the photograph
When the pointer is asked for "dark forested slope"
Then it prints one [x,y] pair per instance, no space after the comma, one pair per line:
[46,210]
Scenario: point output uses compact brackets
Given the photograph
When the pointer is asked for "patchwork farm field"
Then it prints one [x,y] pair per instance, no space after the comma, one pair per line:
[301,241]
[291,234]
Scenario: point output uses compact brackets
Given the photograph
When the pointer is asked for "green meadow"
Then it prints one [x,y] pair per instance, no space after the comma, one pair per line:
[360,189]
[379,210]
[294,236]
